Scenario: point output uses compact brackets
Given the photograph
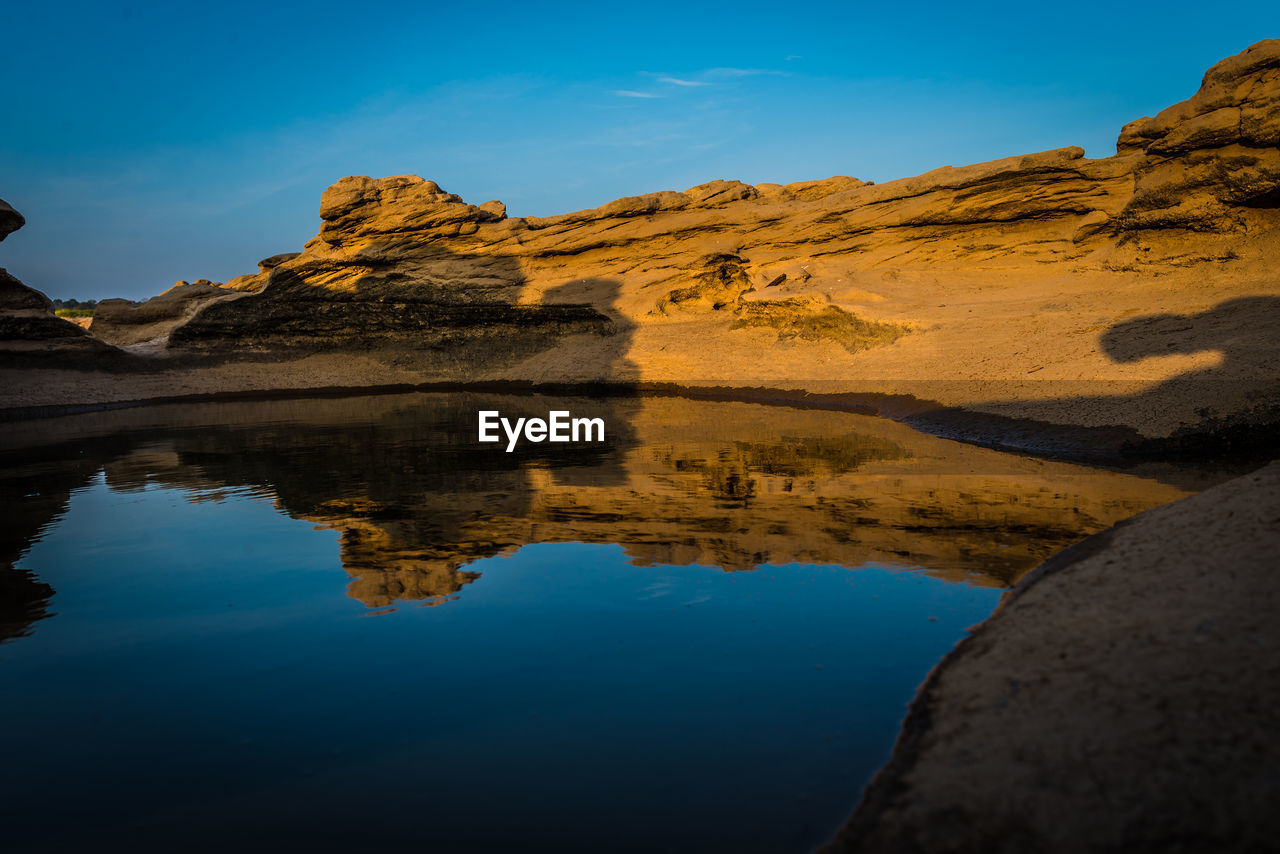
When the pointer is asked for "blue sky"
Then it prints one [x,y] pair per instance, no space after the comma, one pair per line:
[152,142]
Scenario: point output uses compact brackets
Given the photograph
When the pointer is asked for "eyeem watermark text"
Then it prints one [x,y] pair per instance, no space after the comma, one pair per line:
[559,426]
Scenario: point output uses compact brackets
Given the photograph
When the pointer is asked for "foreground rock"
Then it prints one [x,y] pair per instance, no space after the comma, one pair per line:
[1131,297]
[1125,697]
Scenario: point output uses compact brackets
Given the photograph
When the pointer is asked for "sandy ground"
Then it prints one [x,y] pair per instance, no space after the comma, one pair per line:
[1090,348]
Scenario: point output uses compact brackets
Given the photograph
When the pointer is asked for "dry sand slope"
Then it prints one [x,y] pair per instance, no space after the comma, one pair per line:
[1136,291]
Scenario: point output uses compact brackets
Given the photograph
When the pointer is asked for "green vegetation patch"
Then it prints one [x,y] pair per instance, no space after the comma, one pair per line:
[74,312]
[797,319]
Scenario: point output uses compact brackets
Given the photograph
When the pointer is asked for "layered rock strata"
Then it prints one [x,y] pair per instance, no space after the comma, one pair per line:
[126,323]
[1135,291]
[30,333]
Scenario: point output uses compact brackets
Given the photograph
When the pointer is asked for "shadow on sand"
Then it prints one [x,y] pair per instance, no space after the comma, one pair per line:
[1231,408]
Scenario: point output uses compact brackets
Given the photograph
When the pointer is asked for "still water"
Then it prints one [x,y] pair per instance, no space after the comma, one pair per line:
[342,624]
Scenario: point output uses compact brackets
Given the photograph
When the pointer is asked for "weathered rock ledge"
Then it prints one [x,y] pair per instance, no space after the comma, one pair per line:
[1124,697]
[1131,295]
[27,322]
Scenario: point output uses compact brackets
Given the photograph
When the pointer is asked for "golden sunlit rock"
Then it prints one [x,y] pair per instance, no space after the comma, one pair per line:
[1003,290]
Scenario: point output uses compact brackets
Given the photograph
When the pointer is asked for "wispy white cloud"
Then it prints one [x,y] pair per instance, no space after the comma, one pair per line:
[631,93]
[743,72]
[676,81]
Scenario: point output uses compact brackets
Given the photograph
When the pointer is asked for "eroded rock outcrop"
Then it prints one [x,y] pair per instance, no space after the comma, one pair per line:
[989,289]
[1208,157]
[28,326]
[124,322]
[383,275]
[255,281]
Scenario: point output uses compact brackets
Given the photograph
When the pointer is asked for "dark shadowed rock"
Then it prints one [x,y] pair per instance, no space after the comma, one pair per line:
[29,330]
[124,322]
[10,220]
[29,327]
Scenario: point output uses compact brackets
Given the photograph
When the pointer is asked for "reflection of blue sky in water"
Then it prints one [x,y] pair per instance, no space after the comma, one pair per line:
[206,666]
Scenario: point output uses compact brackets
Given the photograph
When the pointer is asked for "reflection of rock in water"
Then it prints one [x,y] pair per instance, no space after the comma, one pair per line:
[805,456]
[402,479]
[35,488]
[416,500]
[23,601]
[727,476]
[383,569]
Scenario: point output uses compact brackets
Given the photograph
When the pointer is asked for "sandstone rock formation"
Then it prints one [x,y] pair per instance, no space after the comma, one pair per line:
[1123,698]
[1210,156]
[122,322]
[256,281]
[991,290]
[28,327]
